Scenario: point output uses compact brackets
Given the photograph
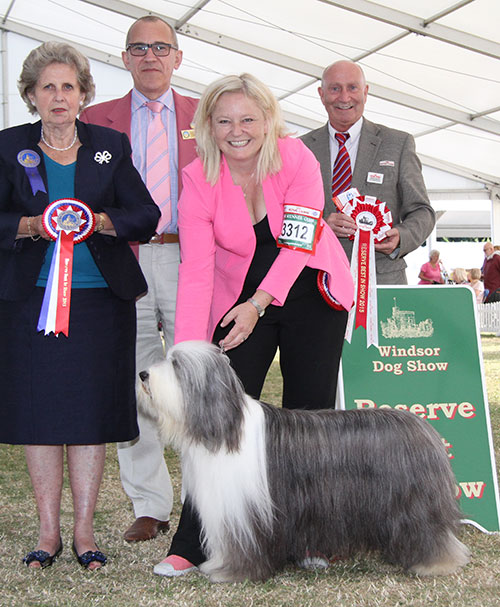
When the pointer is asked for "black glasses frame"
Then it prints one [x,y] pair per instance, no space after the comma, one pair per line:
[140,49]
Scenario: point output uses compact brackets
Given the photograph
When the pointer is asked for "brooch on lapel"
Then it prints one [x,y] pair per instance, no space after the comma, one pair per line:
[101,157]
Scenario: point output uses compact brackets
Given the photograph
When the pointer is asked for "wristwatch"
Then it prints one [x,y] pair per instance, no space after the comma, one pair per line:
[260,310]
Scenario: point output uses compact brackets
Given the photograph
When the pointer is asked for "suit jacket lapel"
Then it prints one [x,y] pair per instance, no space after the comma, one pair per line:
[320,146]
[121,115]
[183,119]
[369,143]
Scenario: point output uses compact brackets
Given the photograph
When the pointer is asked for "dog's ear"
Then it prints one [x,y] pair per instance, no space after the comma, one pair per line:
[212,393]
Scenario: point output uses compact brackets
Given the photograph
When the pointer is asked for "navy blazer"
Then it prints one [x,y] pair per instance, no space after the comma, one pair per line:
[114,187]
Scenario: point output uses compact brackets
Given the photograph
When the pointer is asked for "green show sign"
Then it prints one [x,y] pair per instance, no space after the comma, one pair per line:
[428,361]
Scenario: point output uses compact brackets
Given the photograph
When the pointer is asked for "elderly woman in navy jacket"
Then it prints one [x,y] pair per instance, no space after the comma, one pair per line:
[76,390]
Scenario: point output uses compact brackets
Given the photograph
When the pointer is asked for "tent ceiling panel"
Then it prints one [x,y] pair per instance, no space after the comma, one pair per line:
[432,65]
[311,35]
[477,18]
[438,72]
[213,62]
[74,20]
[460,147]
[422,7]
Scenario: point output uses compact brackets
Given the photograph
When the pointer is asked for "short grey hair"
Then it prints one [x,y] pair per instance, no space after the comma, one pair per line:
[152,19]
[55,52]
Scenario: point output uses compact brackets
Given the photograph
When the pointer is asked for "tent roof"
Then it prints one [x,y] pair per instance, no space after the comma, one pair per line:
[431,65]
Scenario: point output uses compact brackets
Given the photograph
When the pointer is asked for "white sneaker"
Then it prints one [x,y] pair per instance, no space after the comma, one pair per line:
[174,566]
[314,562]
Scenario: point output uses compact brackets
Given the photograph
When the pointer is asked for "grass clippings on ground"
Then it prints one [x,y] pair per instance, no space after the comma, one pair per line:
[128,580]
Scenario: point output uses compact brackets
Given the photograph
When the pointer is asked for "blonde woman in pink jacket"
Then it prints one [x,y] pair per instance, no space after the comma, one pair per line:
[258,270]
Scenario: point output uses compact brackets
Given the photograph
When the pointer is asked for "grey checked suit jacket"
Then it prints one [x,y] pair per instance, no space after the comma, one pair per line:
[402,189]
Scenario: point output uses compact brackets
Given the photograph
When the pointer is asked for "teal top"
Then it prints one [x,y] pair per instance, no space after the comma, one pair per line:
[86,274]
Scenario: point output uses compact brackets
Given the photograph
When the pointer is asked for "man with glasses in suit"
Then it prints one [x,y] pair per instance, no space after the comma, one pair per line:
[151,56]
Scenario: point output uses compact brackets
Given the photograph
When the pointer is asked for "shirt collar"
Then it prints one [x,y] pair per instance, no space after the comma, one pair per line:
[354,131]
[139,100]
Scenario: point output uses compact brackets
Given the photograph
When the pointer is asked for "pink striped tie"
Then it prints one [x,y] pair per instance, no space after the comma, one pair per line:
[158,165]
[341,179]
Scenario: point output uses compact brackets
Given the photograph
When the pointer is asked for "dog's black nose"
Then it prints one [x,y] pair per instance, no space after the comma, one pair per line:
[143,375]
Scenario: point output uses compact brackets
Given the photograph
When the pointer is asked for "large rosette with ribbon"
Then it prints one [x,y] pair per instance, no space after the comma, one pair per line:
[373,220]
[68,221]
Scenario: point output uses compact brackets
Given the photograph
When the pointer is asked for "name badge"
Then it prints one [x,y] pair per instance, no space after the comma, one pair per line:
[375,178]
[188,133]
[300,230]
[386,163]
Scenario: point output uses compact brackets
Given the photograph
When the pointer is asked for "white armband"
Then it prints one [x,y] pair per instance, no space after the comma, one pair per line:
[301,228]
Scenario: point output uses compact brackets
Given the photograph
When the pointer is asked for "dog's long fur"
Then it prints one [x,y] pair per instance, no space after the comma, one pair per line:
[272,484]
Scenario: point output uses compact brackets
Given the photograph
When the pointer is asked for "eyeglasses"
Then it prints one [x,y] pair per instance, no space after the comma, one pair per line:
[160,49]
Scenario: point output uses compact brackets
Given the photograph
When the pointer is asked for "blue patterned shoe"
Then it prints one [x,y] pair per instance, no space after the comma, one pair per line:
[90,557]
[44,558]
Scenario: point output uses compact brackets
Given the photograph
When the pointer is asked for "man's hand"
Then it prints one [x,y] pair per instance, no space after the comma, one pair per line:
[390,242]
[342,225]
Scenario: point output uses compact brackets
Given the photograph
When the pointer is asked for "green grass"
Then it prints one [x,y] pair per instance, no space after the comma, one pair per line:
[128,581]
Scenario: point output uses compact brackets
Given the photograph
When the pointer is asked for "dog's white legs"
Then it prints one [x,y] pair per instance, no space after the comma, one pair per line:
[454,555]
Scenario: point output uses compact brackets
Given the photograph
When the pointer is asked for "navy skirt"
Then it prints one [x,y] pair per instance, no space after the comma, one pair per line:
[77,390]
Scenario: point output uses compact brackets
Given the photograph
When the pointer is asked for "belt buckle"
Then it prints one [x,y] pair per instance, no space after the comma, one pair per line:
[156,239]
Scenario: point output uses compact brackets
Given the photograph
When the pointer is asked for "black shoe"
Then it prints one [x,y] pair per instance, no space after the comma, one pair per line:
[90,556]
[44,558]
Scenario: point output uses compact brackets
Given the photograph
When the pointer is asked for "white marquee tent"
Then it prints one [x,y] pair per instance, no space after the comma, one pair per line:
[432,68]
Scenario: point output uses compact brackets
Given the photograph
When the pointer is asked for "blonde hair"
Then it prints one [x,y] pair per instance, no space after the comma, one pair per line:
[55,52]
[475,274]
[459,275]
[269,161]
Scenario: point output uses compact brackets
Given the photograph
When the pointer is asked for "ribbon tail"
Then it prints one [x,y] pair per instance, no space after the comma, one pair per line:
[354,273]
[363,278]
[35,180]
[372,308]
[64,283]
[46,320]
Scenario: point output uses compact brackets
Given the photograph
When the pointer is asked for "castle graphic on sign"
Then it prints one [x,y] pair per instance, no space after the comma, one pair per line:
[402,323]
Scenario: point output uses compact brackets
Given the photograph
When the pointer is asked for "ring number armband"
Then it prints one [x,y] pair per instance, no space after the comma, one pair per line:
[301,228]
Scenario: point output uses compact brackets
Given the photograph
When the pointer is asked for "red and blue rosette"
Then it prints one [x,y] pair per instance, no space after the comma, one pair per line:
[68,221]
[373,220]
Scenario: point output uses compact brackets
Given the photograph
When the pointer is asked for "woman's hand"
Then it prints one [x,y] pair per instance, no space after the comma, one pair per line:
[104,225]
[245,317]
[32,227]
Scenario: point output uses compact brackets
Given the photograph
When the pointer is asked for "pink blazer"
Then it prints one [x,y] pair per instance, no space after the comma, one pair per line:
[117,114]
[218,241]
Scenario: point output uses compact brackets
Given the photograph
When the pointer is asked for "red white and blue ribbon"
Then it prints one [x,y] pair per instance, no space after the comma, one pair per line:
[67,221]
[373,220]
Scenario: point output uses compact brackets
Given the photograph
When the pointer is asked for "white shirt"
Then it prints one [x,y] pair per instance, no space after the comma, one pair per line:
[351,145]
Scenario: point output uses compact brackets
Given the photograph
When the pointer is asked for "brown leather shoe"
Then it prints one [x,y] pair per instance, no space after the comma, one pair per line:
[145,528]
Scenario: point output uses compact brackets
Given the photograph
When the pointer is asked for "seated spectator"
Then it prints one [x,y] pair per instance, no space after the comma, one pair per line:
[430,272]
[460,276]
[476,284]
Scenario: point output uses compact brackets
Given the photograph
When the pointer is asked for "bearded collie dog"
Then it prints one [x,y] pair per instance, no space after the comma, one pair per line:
[271,485]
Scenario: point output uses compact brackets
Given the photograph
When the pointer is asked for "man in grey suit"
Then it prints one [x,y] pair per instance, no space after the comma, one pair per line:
[383,164]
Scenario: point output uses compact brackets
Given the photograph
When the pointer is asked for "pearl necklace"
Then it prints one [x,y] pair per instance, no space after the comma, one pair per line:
[59,149]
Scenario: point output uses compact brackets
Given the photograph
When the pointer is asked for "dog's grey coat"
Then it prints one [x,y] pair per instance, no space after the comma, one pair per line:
[339,482]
